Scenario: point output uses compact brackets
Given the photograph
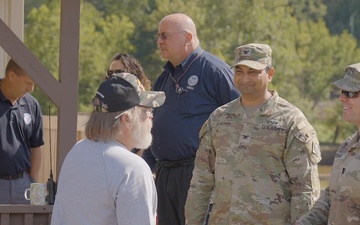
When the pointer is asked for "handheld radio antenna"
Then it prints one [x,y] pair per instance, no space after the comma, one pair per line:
[51,174]
[51,185]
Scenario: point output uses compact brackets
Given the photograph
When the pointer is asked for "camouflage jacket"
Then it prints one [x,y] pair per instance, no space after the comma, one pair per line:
[261,169]
[340,202]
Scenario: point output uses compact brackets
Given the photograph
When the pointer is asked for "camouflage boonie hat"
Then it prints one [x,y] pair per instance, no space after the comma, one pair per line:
[256,56]
[351,80]
[123,91]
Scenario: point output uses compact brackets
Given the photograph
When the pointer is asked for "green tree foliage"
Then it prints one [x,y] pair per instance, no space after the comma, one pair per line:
[343,15]
[42,38]
[308,9]
[139,12]
[42,35]
[322,56]
[100,38]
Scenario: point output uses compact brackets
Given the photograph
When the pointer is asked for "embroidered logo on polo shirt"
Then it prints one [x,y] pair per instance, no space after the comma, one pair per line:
[27,118]
[192,81]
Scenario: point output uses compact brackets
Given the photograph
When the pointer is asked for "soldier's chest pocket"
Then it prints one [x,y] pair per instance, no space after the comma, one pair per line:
[230,155]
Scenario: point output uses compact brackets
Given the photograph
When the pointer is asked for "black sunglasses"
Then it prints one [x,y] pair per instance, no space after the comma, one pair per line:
[349,94]
[109,73]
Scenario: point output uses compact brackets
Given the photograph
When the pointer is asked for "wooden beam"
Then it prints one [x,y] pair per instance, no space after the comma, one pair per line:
[26,60]
[68,75]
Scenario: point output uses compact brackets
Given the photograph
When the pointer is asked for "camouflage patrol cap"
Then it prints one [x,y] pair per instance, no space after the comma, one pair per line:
[123,91]
[351,80]
[256,56]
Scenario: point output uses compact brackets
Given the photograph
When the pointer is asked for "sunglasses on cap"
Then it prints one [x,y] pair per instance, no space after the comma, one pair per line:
[109,73]
[349,94]
[98,106]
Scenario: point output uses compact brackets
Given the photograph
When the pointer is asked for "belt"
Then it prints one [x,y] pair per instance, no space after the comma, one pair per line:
[171,164]
[12,177]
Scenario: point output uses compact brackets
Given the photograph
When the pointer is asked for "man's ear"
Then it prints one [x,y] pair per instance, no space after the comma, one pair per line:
[271,73]
[12,74]
[189,38]
[125,118]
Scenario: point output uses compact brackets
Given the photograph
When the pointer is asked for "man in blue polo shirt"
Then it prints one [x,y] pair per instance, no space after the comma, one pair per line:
[21,133]
[195,83]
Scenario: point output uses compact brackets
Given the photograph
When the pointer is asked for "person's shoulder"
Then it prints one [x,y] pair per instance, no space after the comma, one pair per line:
[120,159]
[211,58]
[226,109]
[351,139]
[29,99]
[216,67]
[280,107]
[31,103]
[284,104]
[120,154]
[291,113]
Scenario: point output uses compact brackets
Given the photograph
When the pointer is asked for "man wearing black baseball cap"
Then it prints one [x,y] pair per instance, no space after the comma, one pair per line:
[101,181]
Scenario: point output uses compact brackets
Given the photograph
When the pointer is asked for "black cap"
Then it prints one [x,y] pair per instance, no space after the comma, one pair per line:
[123,91]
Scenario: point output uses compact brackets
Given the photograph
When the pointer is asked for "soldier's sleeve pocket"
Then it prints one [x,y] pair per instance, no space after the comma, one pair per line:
[311,143]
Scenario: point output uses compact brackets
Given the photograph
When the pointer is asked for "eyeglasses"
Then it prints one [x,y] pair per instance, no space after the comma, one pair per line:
[165,35]
[109,73]
[349,94]
[147,111]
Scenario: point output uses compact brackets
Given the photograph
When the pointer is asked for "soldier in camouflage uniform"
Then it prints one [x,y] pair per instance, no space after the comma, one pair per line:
[258,154]
[340,202]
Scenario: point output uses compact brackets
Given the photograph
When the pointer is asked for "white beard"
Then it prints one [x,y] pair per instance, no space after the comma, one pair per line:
[141,134]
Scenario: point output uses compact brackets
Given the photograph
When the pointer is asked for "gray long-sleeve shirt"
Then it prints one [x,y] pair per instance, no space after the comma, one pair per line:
[104,183]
